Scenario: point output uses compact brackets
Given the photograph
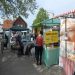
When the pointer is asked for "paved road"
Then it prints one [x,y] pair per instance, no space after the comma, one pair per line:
[11,64]
[17,66]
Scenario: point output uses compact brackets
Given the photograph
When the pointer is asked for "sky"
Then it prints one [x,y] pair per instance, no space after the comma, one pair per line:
[52,6]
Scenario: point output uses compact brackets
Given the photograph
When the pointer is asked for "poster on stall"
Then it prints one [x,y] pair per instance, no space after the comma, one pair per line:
[67,36]
[51,37]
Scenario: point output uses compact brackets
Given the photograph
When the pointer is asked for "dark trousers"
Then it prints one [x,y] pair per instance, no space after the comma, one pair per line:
[39,54]
[20,51]
[74,73]
[36,52]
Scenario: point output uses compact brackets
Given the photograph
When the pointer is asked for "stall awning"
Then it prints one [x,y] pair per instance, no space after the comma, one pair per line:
[18,28]
[51,22]
[69,14]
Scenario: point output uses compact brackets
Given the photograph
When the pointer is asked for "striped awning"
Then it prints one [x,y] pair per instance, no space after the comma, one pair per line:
[70,14]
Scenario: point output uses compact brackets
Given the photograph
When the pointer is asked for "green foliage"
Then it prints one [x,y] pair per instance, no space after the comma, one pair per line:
[17,7]
[41,16]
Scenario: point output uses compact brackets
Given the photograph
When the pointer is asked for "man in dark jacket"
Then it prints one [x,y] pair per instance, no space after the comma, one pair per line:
[18,40]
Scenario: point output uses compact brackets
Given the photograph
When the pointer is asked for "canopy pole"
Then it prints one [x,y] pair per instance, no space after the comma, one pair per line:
[65,37]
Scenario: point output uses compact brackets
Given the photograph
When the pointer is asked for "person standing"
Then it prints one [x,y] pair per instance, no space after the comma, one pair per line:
[39,42]
[20,43]
[6,41]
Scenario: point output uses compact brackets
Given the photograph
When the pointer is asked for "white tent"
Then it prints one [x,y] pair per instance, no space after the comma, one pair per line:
[1,30]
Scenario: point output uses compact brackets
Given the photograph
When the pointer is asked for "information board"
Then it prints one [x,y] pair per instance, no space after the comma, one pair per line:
[51,37]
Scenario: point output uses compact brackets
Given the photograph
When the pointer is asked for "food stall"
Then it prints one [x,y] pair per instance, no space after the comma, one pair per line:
[67,42]
[24,32]
[51,41]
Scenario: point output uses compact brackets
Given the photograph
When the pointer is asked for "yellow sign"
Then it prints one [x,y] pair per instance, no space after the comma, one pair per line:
[51,37]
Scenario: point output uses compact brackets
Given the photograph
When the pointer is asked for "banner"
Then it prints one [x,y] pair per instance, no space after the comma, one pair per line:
[67,36]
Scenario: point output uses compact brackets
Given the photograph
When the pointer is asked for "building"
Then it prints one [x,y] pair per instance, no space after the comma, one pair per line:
[18,24]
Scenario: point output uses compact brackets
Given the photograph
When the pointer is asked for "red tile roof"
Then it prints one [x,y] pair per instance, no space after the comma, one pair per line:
[7,24]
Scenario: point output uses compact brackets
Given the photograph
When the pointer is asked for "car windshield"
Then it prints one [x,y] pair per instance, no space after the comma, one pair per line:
[27,38]
[23,37]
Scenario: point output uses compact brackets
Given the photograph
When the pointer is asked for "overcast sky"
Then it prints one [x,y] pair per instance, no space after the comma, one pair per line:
[54,6]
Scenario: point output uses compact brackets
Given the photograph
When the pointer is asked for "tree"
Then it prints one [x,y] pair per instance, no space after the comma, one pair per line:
[17,7]
[37,23]
[41,16]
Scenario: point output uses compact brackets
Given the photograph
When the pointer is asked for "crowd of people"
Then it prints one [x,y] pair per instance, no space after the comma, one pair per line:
[37,43]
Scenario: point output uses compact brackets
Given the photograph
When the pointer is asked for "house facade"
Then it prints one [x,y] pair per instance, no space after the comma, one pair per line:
[19,23]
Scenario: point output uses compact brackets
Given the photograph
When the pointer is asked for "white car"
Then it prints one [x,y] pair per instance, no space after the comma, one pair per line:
[12,40]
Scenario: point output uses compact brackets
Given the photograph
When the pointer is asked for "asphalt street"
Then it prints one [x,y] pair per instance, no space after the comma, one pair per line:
[11,64]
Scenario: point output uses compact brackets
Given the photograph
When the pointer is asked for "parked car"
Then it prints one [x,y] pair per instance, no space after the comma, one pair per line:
[25,41]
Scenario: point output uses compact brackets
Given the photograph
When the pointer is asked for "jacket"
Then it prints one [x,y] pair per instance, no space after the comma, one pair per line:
[39,40]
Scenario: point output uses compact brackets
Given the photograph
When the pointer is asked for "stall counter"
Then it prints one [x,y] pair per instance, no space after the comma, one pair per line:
[51,56]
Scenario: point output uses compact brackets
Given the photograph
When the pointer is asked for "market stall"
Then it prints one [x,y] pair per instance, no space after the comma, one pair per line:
[51,41]
[24,32]
[67,42]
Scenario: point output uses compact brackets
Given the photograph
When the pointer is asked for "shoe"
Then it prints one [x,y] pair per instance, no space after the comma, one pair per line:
[37,63]
[40,63]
